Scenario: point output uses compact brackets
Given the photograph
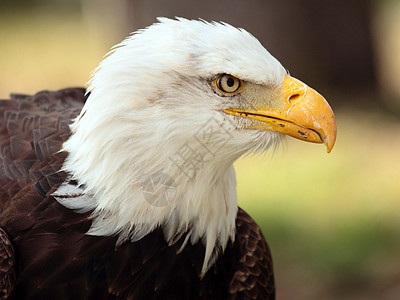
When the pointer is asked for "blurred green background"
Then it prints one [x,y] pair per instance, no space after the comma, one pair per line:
[332,221]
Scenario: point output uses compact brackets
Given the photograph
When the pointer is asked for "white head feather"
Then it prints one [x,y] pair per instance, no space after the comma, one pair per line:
[154,114]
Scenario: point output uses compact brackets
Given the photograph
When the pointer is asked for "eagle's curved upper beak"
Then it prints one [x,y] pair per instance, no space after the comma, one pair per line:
[301,113]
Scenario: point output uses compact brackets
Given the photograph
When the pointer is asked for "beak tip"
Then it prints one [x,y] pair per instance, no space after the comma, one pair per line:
[330,142]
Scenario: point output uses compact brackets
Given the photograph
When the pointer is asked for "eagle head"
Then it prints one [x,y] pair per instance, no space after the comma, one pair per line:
[170,109]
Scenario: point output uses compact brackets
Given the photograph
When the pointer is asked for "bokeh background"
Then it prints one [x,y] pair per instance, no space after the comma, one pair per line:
[332,221]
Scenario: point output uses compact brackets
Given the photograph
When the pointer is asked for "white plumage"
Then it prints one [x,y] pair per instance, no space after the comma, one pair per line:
[152,98]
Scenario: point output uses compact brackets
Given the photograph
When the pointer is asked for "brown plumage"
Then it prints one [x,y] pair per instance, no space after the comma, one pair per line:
[45,253]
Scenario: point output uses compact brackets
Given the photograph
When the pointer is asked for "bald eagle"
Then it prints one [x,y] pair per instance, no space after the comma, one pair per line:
[126,190]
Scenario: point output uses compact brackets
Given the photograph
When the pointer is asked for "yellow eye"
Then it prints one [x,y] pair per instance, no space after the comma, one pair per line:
[227,84]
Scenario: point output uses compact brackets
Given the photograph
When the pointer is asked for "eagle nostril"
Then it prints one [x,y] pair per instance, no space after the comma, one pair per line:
[294,97]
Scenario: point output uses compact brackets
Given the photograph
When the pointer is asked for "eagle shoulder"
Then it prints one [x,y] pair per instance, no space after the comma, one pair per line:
[7,266]
[32,130]
[253,277]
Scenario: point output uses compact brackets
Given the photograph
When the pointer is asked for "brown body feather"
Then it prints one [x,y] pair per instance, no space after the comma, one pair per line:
[45,253]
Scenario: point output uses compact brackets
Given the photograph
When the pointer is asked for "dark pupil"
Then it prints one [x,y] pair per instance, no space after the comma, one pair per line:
[230,82]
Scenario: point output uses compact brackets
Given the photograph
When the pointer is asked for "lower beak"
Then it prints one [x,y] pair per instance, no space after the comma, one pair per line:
[303,114]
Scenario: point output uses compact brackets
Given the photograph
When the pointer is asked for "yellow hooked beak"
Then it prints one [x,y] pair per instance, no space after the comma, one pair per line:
[302,113]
